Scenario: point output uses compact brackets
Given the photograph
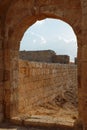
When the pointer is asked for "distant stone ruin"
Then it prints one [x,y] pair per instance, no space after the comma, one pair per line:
[48,56]
[75,60]
[63,59]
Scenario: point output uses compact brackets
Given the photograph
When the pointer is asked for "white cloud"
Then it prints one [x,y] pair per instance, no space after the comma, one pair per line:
[59,38]
[42,39]
[34,40]
[35,34]
[66,40]
[40,22]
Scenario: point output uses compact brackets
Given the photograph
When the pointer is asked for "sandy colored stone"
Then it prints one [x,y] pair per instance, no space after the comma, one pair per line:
[16,16]
[56,88]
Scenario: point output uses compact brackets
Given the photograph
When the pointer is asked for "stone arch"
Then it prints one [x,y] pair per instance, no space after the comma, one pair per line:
[22,14]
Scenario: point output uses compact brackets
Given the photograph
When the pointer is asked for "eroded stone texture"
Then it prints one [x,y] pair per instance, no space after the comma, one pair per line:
[63,59]
[40,56]
[1,71]
[48,56]
[18,16]
[41,84]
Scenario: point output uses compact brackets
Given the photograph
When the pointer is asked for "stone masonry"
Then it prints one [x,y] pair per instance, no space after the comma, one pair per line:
[40,56]
[48,56]
[16,16]
[63,59]
[40,83]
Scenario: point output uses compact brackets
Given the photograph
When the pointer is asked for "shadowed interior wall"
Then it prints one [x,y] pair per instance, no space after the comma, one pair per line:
[2,78]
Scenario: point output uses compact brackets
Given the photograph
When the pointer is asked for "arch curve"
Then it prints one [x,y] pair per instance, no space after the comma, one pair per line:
[22,14]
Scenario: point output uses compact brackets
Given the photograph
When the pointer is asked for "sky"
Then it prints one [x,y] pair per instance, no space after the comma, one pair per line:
[50,34]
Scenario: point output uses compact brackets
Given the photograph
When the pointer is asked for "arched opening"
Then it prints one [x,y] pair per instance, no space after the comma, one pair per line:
[50,34]
[48,89]
[18,23]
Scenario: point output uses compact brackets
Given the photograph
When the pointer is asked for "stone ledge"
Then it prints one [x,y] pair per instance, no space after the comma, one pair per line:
[46,121]
[16,120]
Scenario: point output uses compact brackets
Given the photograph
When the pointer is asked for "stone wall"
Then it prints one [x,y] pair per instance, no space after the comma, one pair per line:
[41,56]
[1,72]
[75,60]
[18,15]
[45,82]
[63,59]
[44,56]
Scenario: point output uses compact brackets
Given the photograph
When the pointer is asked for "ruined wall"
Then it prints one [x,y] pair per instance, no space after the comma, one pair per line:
[63,59]
[75,60]
[44,56]
[40,83]
[19,15]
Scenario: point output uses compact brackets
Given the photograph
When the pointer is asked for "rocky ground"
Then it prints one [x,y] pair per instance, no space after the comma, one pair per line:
[56,106]
[58,113]
[56,110]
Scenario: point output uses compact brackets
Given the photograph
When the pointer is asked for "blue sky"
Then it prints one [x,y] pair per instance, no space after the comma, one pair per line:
[50,34]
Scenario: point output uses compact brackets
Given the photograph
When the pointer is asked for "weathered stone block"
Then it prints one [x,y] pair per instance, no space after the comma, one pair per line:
[0,44]
[1,75]
[1,117]
[1,92]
